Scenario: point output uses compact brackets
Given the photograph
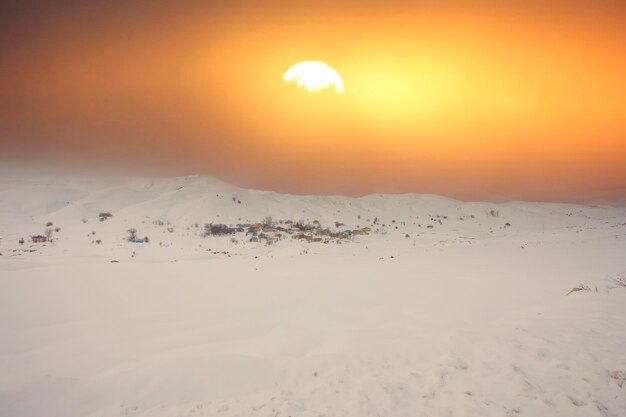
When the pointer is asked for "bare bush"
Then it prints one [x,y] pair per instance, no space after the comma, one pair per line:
[493,213]
[104,216]
[132,235]
[581,287]
[619,280]
[211,229]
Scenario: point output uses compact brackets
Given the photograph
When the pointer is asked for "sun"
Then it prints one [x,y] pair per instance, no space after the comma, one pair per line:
[314,76]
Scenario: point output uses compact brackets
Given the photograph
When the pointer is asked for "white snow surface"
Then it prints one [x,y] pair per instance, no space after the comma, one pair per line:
[467,318]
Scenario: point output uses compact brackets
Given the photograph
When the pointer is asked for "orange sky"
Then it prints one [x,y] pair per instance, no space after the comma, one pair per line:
[473,100]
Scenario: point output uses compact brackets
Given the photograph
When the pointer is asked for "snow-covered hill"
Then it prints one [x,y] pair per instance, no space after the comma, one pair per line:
[442,308]
[73,204]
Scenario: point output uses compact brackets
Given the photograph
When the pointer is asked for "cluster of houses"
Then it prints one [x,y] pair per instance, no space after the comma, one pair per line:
[269,232]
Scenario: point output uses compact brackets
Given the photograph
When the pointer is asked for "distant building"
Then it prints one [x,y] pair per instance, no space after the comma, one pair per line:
[39,239]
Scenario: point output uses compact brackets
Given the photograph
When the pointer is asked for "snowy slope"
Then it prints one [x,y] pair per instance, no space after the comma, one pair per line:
[27,205]
[468,317]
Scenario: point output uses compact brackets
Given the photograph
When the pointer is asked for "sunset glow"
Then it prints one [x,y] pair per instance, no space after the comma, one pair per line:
[488,100]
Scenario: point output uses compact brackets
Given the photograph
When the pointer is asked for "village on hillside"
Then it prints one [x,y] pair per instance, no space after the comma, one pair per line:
[269,231]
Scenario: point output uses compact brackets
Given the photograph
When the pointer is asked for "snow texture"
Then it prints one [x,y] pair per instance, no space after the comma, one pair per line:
[468,317]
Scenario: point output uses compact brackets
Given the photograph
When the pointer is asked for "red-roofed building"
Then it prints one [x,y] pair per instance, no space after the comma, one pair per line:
[39,239]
